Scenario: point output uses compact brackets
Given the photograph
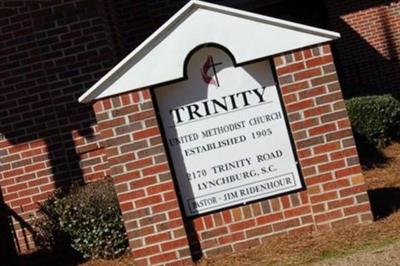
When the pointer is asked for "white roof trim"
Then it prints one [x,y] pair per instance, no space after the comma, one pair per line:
[99,89]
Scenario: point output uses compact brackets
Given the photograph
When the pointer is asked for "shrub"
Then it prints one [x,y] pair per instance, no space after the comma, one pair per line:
[375,119]
[88,217]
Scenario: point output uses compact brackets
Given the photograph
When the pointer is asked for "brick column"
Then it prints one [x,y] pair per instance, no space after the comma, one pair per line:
[323,136]
[142,178]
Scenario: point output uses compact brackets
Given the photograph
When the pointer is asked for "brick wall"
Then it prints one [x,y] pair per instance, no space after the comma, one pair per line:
[335,192]
[50,53]
[369,50]
[323,137]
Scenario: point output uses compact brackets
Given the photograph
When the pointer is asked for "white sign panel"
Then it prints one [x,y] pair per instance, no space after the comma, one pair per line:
[226,133]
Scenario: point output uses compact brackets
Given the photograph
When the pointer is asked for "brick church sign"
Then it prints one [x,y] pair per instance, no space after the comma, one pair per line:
[223,128]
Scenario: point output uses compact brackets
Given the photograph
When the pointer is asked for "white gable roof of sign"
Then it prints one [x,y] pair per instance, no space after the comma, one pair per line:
[161,57]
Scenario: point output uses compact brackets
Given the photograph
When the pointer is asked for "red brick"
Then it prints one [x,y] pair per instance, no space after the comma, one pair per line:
[175,213]
[307,219]
[126,206]
[331,166]
[304,124]
[217,217]
[286,224]
[171,195]
[304,153]
[10,196]
[310,142]
[131,195]
[18,148]
[344,124]
[111,123]
[348,171]
[17,187]
[121,159]
[289,98]
[326,48]
[322,129]
[314,160]
[307,53]
[143,182]
[343,153]
[147,133]
[319,61]
[278,61]
[146,94]
[126,99]
[159,237]
[324,197]
[353,190]
[126,177]
[155,169]
[285,202]
[320,218]
[269,218]
[141,116]
[214,233]
[227,216]
[309,171]
[339,135]
[231,238]
[166,206]
[297,212]
[300,105]
[317,111]
[336,184]
[157,189]
[28,192]
[324,79]
[241,225]
[20,202]
[12,173]
[208,221]
[306,74]
[294,87]
[334,116]
[328,147]
[32,152]
[148,201]
[139,164]
[290,68]
[312,92]
[340,203]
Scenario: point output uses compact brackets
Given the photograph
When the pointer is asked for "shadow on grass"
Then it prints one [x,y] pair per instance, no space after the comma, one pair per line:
[384,201]
[370,155]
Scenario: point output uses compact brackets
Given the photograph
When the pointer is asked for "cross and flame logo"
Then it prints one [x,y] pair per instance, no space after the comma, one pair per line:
[209,64]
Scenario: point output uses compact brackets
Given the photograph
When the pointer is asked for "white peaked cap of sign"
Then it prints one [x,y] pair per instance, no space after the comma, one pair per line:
[161,57]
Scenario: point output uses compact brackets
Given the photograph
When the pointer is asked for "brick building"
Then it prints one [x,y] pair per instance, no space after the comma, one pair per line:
[53,51]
